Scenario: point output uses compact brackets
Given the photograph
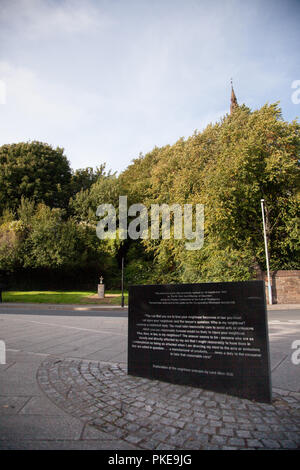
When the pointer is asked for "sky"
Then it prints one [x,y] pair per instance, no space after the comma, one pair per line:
[109,79]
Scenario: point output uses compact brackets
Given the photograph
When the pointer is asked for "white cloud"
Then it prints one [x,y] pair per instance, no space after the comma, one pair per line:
[30,98]
[108,79]
[43,18]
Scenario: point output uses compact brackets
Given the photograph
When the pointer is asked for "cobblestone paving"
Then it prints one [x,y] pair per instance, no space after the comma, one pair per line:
[157,415]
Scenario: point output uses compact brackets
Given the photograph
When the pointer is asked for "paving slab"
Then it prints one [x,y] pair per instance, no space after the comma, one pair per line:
[64,444]
[283,374]
[129,408]
[39,406]
[12,405]
[22,427]
[65,386]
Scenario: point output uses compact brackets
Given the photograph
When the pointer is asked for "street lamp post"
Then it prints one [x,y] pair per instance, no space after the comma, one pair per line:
[122,283]
[266,251]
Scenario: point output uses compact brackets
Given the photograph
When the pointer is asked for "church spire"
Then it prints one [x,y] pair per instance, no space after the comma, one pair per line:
[233,100]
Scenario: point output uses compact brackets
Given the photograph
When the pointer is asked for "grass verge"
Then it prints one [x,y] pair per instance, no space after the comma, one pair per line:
[64,297]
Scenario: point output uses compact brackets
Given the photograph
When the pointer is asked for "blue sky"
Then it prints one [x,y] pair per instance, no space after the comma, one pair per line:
[109,79]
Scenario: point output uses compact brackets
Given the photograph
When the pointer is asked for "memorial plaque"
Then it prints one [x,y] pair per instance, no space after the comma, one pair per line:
[208,335]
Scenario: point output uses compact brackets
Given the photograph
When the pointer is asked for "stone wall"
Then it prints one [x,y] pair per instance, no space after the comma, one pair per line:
[285,286]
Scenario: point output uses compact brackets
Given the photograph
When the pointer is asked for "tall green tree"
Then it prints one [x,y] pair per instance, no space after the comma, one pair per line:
[83,178]
[228,167]
[105,190]
[11,237]
[33,170]
[43,238]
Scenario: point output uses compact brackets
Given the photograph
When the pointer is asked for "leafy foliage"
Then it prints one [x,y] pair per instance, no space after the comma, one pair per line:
[85,203]
[228,167]
[33,170]
[48,212]
[11,235]
[84,178]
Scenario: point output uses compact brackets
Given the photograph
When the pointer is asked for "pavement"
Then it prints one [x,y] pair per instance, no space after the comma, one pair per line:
[64,385]
[77,307]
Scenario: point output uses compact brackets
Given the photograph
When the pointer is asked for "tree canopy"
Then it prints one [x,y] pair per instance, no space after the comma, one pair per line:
[228,167]
[36,171]
[48,211]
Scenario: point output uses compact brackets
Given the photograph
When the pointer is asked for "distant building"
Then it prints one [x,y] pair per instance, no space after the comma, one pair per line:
[233,100]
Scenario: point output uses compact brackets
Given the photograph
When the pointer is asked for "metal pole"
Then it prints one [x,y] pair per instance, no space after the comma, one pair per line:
[266,250]
[122,283]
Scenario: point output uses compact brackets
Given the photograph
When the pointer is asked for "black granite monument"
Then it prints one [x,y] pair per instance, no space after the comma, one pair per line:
[209,335]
